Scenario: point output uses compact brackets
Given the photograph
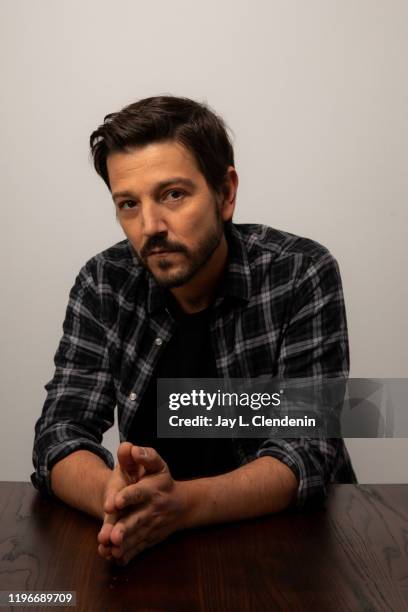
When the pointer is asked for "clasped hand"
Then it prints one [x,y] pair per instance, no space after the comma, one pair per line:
[142,504]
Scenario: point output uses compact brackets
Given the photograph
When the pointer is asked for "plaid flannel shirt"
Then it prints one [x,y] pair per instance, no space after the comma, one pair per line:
[280,312]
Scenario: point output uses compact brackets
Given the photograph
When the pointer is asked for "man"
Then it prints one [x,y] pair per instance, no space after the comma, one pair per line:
[188,293]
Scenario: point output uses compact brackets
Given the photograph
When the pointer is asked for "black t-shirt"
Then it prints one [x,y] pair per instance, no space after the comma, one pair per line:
[187,355]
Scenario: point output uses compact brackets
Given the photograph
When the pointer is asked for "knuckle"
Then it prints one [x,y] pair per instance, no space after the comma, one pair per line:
[120,527]
[144,521]
[138,521]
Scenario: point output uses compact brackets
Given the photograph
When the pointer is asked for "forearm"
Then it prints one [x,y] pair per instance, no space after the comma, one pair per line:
[264,486]
[80,480]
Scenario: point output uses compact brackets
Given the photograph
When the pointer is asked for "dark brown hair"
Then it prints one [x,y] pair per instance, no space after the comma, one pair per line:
[161,118]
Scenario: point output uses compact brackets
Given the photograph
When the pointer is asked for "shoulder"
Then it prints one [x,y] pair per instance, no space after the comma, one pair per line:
[276,244]
[119,255]
[110,282]
[113,266]
[282,259]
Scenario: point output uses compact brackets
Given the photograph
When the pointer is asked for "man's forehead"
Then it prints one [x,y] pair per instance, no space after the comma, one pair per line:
[155,162]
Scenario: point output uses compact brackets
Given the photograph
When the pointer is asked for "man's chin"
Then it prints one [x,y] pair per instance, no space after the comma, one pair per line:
[171,279]
[170,282]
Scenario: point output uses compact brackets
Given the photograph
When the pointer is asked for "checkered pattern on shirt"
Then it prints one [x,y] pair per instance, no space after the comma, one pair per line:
[280,312]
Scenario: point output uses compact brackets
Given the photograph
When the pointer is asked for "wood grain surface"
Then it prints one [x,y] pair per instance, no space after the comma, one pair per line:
[350,556]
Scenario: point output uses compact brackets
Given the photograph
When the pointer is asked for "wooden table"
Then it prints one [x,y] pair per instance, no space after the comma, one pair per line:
[353,556]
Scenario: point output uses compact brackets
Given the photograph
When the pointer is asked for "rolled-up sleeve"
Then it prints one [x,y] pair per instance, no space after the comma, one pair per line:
[80,401]
[313,462]
[315,345]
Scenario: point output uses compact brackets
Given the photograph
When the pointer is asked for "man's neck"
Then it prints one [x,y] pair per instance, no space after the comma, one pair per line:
[200,292]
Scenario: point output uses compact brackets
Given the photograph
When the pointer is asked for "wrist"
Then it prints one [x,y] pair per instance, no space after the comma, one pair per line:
[191,496]
[79,479]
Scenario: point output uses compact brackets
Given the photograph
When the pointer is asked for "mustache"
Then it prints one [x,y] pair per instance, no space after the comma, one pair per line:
[159,242]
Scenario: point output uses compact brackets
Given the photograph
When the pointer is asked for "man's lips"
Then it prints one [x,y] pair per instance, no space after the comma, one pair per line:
[163,252]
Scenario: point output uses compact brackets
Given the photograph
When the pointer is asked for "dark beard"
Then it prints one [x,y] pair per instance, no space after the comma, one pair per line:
[196,261]
[199,260]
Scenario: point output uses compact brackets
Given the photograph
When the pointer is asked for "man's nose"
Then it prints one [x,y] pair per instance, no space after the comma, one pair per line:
[153,221]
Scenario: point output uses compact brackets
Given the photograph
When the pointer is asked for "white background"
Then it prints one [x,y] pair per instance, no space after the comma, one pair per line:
[316,94]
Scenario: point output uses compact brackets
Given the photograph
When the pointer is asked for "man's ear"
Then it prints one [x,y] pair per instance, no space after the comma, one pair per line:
[229,193]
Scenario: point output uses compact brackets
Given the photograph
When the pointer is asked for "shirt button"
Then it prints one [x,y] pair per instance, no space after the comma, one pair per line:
[158,341]
[132,396]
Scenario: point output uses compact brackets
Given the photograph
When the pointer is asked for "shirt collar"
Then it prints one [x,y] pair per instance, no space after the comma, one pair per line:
[237,278]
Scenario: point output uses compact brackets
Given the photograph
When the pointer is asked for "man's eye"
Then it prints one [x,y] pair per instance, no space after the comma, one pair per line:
[178,192]
[128,205]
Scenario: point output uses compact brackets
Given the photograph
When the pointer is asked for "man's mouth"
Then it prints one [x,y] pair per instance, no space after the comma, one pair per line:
[158,252]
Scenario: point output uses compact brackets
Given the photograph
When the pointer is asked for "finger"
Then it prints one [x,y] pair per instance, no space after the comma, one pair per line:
[117,552]
[125,473]
[117,535]
[132,495]
[149,458]
[146,532]
[126,460]
[104,533]
[116,484]
[105,551]
[109,506]
[147,541]
[131,527]
[109,522]
[110,518]
[130,554]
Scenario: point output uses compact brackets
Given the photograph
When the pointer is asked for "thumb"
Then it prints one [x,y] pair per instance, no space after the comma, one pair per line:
[127,464]
[149,458]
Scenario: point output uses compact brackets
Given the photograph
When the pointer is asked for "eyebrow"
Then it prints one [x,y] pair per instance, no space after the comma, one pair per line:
[161,185]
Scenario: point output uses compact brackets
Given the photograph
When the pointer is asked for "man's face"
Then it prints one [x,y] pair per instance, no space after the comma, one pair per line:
[166,209]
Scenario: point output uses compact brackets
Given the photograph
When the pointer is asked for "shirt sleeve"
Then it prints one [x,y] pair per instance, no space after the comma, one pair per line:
[314,344]
[80,401]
